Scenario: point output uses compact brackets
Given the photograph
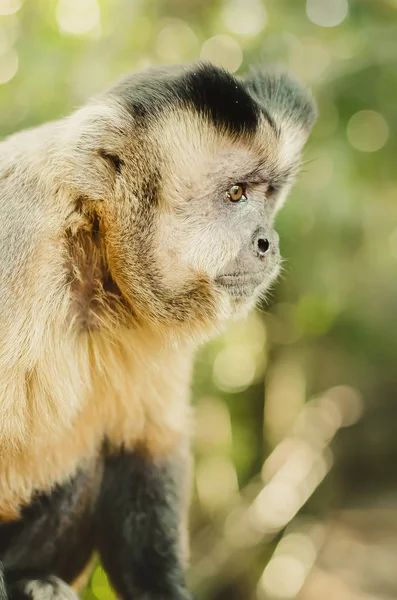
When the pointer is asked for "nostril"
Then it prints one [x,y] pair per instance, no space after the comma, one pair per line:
[260,243]
[263,245]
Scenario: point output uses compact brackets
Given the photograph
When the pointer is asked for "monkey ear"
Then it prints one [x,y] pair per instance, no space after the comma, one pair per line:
[112,159]
[282,96]
[92,146]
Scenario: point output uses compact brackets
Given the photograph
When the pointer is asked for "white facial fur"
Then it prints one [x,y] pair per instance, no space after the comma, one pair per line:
[197,231]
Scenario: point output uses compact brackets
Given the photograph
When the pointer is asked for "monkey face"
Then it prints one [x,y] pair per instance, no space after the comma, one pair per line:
[221,202]
[199,163]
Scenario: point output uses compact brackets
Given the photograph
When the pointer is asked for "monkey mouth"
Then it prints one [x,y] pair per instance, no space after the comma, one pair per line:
[240,284]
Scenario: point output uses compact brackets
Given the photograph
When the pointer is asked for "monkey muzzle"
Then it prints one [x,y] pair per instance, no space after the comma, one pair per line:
[254,268]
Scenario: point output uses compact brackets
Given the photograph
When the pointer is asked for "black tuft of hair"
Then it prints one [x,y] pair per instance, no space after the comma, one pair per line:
[209,90]
[277,91]
[222,96]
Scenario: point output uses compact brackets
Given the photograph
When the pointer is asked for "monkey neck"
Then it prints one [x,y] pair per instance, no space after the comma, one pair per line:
[101,302]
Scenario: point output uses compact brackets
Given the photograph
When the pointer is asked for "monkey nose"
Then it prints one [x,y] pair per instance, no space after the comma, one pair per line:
[260,243]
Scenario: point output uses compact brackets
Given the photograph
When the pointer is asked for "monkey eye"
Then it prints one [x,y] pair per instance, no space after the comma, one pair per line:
[236,193]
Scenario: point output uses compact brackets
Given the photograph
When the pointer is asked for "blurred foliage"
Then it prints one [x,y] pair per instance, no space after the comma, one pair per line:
[285,504]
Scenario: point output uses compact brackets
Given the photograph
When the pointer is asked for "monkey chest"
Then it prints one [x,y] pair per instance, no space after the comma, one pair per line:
[155,418]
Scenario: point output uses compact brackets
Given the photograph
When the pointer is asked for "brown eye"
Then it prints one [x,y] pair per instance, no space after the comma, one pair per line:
[236,193]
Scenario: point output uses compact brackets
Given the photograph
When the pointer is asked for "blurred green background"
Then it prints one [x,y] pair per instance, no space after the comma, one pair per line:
[295,488]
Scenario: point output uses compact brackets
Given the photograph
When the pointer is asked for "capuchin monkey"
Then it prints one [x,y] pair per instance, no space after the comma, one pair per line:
[131,232]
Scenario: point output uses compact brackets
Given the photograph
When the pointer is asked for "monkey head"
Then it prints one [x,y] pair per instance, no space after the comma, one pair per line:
[182,171]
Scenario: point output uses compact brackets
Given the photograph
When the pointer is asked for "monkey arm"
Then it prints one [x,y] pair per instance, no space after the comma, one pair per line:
[140,530]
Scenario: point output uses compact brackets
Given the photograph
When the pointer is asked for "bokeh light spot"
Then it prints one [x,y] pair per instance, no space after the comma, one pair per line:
[348,401]
[234,368]
[299,544]
[283,577]
[9,7]
[224,51]
[327,13]
[367,131]
[8,66]
[245,17]
[78,16]
[275,506]
[175,41]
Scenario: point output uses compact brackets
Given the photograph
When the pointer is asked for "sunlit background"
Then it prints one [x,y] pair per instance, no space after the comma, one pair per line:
[295,488]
